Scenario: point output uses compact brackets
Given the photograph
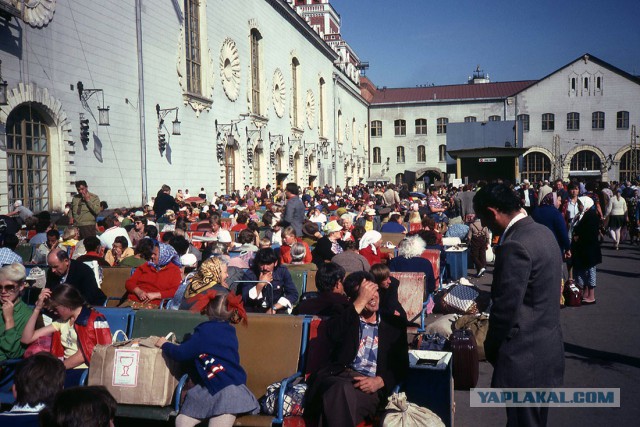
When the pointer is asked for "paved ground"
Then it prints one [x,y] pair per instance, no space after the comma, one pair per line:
[602,348]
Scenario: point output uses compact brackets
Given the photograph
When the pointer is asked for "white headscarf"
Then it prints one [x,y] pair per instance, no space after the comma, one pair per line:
[587,203]
[369,239]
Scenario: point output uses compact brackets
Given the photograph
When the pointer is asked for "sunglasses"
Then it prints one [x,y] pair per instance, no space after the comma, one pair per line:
[8,288]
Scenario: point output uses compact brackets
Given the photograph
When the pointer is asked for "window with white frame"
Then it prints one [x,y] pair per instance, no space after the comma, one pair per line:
[441,127]
[597,120]
[421,126]
[494,118]
[422,154]
[470,119]
[548,121]
[524,118]
[573,121]
[622,120]
[192,46]
[400,154]
[376,128]
[377,155]
[400,127]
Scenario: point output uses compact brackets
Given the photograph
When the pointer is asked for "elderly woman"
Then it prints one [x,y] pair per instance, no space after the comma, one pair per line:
[329,245]
[271,289]
[209,278]
[410,260]
[155,280]
[370,248]
[15,313]
[119,251]
[170,219]
[585,248]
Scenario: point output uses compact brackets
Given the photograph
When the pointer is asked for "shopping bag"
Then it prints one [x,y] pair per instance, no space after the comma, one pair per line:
[135,372]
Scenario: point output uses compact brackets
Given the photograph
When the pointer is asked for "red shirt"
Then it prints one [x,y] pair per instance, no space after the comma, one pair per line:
[239,227]
[166,281]
[285,254]
[378,258]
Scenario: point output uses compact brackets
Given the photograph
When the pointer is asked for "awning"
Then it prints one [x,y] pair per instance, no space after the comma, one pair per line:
[378,178]
[585,173]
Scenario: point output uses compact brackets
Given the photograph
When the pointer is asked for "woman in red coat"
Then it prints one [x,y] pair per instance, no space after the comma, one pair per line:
[370,248]
[156,279]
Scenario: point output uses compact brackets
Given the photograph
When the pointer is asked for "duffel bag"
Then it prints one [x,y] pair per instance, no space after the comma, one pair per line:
[478,325]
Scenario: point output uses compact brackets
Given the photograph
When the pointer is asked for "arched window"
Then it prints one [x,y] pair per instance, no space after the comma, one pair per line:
[536,167]
[377,155]
[399,178]
[192,45]
[255,71]
[626,166]
[321,106]
[494,118]
[441,127]
[400,127]
[524,118]
[230,168]
[339,126]
[257,167]
[421,126]
[586,160]
[376,128]
[442,153]
[422,154]
[28,167]
[295,70]
[400,154]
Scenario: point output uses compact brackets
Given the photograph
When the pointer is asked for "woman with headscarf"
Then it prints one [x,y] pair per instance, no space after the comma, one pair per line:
[209,278]
[547,214]
[370,248]
[585,248]
[328,246]
[155,280]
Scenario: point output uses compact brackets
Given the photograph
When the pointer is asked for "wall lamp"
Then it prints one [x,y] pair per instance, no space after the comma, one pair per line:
[250,134]
[4,100]
[162,112]
[275,139]
[85,94]
[227,128]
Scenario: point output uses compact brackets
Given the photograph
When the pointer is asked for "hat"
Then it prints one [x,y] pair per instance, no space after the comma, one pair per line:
[371,212]
[224,236]
[188,260]
[310,229]
[526,181]
[17,203]
[138,213]
[332,226]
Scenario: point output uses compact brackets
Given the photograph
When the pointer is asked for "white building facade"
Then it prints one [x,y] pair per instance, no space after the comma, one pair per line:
[257,95]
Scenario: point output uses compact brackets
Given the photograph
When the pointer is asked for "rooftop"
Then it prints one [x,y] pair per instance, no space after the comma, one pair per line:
[449,93]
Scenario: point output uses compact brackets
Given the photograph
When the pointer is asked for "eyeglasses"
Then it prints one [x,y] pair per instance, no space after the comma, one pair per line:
[8,288]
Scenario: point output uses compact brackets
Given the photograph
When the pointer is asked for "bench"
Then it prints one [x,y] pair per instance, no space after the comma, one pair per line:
[280,340]
[412,295]
[113,281]
[394,238]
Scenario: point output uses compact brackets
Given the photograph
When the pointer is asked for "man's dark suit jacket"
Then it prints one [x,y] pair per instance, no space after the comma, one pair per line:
[82,278]
[524,340]
[294,214]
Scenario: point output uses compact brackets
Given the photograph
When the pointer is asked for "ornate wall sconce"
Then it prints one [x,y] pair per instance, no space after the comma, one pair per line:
[85,94]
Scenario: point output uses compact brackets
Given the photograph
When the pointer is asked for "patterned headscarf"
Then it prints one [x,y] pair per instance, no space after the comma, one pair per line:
[549,199]
[369,239]
[206,277]
[166,255]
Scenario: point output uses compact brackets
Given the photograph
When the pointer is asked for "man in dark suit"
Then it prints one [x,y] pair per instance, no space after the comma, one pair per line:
[75,273]
[528,197]
[524,340]
[369,357]
[294,209]
[164,201]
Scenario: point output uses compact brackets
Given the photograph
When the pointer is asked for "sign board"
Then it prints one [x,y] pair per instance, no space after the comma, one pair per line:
[457,182]
[487,160]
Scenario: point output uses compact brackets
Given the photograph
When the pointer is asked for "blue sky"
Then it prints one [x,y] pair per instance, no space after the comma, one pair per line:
[408,43]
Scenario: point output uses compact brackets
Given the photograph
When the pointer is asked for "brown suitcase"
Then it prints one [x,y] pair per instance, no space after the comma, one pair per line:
[465,359]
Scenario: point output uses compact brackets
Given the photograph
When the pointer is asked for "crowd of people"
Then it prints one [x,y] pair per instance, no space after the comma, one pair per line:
[248,244]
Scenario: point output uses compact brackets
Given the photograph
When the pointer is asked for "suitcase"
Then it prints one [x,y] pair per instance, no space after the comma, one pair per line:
[572,294]
[465,359]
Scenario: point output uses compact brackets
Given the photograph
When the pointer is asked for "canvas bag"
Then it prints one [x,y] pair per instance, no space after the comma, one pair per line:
[400,413]
[135,372]
[479,326]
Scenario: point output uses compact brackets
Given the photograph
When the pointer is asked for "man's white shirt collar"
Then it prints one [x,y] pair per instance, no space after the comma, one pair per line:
[513,221]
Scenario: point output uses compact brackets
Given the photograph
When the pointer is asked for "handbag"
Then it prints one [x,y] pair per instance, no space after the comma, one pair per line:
[293,398]
[400,413]
[572,294]
[456,299]
[435,342]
